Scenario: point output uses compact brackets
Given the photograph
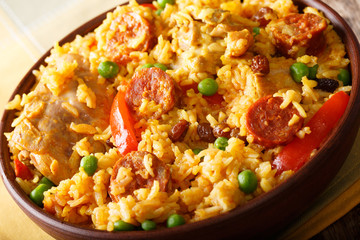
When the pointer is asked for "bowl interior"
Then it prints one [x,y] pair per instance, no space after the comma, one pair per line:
[291,197]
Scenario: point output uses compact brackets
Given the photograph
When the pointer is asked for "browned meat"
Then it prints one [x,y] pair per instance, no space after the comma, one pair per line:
[238,42]
[297,34]
[45,131]
[269,124]
[179,130]
[151,84]
[122,185]
[137,36]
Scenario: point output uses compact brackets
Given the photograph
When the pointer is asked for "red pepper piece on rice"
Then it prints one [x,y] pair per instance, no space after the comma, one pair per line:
[149,5]
[297,153]
[121,123]
[22,171]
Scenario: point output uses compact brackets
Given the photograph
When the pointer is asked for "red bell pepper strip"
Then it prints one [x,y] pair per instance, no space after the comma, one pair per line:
[149,5]
[215,99]
[22,171]
[122,125]
[297,152]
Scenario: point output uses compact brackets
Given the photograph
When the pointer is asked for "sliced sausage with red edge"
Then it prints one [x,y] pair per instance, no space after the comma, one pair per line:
[132,33]
[151,84]
[297,34]
[269,124]
[140,177]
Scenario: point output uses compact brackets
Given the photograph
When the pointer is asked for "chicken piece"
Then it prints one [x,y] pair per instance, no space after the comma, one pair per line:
[222,29]
[278,78]
[45,133]
[188,35]
[238,42]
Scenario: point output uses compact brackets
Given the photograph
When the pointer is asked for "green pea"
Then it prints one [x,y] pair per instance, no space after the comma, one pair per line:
[208,87]
[221,143]
[120,225]
[158,12]
[46,181]
[344,76]
[196,151]
[298,71]
[148,225]
[161,66]
[108,69]
[175,220]
[37,195]
[247,181]
[313,71]
[89,164]
[162,3]
[147,65]
[256,31]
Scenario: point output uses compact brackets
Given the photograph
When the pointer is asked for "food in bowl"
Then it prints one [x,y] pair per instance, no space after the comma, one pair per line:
[179,111]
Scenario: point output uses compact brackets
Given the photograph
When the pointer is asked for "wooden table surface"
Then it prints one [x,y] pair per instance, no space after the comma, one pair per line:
[347,227]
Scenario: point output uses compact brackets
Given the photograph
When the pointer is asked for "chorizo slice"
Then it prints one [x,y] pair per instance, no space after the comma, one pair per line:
[297,34]
[269,124]
[138,169]
[150,84]
[132,32]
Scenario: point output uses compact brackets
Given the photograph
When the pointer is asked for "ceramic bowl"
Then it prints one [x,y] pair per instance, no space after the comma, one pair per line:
[262,217]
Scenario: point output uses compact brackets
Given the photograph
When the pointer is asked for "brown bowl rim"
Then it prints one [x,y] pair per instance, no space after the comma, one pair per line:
[348,124]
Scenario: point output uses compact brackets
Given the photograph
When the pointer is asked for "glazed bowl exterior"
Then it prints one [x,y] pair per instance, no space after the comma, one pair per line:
[262,217]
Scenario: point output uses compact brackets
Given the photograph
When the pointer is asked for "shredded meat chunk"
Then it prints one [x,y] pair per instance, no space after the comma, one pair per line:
[45,133]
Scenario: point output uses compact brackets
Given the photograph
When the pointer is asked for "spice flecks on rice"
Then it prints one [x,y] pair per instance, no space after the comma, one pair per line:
[66,116]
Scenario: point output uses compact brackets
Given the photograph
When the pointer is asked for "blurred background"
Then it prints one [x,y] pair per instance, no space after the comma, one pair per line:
[29,28]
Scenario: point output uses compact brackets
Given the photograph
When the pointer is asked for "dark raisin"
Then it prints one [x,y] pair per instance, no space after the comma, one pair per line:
[327,84]
[205,132]
[110,144]
[235,133]
[260,64]
[179,130]
[222,130]
[264,16]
